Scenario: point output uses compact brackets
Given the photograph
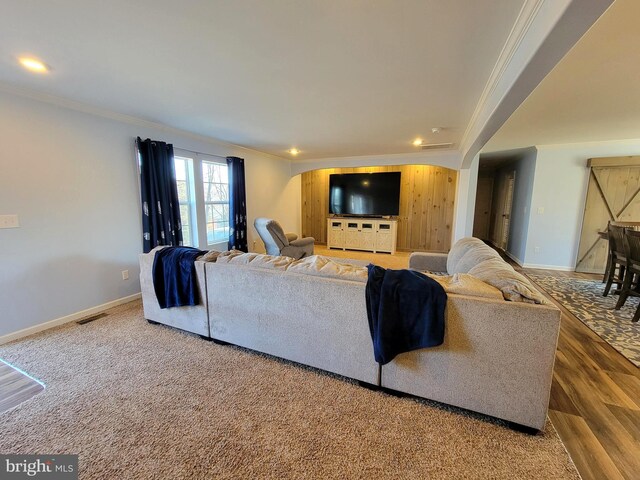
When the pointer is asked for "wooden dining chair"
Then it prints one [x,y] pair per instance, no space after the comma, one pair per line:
[618,261]
[605,235]
[631,283]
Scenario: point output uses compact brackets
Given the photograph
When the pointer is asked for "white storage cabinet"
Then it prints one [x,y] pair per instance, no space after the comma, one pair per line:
[369,234]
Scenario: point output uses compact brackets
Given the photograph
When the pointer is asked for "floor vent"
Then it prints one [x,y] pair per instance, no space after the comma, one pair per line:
[91,318]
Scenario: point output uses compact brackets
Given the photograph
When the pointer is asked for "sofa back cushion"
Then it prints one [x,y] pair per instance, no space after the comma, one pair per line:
[514,286]
[211,256]
[459,249]
[326,267]
[259,260]
[465,284]
[475,255]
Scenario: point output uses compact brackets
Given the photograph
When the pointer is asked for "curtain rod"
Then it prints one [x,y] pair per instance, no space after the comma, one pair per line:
[199,153]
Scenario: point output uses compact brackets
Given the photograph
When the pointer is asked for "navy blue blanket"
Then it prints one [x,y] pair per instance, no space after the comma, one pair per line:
[405,311]
[174,276]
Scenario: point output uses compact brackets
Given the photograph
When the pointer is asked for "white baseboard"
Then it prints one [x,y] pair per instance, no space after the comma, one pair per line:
[534,265]
[549,267]
[68,318]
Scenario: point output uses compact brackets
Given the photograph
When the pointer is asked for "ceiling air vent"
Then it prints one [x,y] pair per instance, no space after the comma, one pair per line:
[435,146]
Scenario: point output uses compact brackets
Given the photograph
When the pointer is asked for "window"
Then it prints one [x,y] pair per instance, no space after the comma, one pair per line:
[183,182]
[215,182]
[203,191]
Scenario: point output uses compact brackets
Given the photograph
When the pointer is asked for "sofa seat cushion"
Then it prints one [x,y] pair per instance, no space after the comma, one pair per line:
[514,286]
[465,284]
[321,266]
[459,249]
[259,260]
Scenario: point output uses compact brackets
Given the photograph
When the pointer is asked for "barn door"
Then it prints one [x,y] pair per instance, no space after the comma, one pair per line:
[613,195]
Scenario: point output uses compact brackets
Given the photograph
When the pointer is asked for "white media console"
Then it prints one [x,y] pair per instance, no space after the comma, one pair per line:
[370,234]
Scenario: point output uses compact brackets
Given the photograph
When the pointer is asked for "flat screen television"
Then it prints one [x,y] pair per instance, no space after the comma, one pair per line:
[364,194]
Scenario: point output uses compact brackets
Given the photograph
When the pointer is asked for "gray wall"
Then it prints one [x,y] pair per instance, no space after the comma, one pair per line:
[525,167]
[72,179]
[523,162]
[560,190]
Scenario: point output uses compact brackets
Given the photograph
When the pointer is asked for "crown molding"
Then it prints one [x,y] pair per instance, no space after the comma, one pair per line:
[89,109]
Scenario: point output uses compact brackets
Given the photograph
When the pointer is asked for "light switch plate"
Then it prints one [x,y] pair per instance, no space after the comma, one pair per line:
[9,221]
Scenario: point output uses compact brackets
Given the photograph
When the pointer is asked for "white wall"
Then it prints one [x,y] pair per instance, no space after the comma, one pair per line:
[274,194]
[72,179]
[465,202]
[560,187]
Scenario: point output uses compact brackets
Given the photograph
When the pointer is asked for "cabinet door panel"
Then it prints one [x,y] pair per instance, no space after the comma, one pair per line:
[384,242]
[335,233]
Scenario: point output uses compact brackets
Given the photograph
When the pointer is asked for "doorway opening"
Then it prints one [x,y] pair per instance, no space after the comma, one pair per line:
[503,200]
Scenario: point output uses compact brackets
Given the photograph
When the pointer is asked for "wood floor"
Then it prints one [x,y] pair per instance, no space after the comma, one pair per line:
[397,261]
[595,396]
[15,387]
[595,400]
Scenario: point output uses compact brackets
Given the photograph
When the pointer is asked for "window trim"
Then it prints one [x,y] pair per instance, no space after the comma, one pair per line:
[199,228]
[215,202]
[191,199]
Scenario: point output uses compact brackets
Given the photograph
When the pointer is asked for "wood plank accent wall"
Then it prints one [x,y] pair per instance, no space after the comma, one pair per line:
[427,196]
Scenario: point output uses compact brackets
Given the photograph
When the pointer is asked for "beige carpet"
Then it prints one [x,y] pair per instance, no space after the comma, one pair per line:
[140,401]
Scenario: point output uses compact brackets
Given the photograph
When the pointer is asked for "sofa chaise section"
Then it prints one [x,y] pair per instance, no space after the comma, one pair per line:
[498,355]
[497,359]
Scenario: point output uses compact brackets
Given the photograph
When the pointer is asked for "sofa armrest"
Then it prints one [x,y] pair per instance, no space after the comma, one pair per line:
[432,262]
[291,237]
[303,242]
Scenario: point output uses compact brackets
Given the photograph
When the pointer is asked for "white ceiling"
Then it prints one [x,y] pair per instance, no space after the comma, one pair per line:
[331,78]
[593,94]
[492,161]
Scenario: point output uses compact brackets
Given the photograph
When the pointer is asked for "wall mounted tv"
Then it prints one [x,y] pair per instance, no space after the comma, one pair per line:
[364,194]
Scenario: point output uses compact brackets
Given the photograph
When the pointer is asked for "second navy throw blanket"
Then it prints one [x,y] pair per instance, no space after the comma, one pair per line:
[174,276]
[405,310]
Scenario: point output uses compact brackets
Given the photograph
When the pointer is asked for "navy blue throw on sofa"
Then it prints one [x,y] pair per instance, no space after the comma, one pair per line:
[174,276]
[405,311]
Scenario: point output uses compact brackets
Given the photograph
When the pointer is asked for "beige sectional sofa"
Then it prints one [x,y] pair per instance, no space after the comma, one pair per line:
[497,357]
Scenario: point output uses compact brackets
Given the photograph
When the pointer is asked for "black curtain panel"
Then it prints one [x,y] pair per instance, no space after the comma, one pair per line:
[237,205]
[160,205]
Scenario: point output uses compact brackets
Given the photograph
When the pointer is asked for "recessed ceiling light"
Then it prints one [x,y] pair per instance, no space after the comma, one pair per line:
[33,65]
[417,142]
[294,151]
